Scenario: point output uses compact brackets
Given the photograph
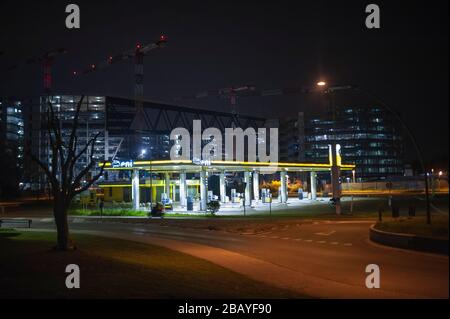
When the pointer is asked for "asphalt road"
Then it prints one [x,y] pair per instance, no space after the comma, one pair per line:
[324,259]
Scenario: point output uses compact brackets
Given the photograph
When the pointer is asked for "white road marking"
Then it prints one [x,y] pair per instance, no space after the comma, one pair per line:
[334,243]
[352,222]
[321,241]
[308,240]
[326,234]
[285,238]
[298,239]
[348,244]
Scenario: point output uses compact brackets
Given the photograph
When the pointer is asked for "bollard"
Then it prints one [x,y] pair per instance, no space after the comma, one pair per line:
[380,214]
[395,211]
[270,207]
[351,206]
[412,211]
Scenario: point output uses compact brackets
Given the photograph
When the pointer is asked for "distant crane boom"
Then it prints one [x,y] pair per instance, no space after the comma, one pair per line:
[46,60]
[230,93]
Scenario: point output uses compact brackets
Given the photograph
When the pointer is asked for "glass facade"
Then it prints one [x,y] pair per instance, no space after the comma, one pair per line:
[368,137]
[90,123]
[12,136]
[112,118]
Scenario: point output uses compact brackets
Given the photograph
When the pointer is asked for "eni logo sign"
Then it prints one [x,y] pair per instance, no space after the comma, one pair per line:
[120,164]
[201,162]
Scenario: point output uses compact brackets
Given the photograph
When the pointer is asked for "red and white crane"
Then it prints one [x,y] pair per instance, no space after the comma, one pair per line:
[46,60]
[140,121]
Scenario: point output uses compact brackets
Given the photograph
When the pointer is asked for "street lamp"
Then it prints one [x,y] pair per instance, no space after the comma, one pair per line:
[335,170]
[332,89]
[142,156]
[414,142]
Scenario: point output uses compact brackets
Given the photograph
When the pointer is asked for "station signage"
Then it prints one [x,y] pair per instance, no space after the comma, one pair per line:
[201,162]
[122,164]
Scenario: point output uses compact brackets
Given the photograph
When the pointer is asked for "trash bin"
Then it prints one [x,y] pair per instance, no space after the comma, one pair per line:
[190,203]
[300,193]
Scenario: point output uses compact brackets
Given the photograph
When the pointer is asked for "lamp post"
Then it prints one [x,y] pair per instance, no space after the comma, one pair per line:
[142,156]
[416,146]
[335,169]
[151,179]
[405,127]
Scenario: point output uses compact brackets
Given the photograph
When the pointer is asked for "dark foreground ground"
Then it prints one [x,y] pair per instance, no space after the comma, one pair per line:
[311,252]
[112,268]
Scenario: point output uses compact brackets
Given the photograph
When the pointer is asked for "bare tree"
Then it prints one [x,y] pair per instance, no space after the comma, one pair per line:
[65,182]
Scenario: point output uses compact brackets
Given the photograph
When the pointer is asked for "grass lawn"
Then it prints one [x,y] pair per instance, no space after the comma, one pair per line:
[417,226]
[112,268]
[362,208]
[107,212]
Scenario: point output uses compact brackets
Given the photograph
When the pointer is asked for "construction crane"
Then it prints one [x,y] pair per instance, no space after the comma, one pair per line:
[140,121]
[230,93]
[46,60]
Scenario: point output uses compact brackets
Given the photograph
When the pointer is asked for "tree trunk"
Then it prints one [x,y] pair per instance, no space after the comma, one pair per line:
[62,226]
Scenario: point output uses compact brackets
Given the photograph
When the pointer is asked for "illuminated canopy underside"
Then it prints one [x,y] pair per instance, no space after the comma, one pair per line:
[190,167]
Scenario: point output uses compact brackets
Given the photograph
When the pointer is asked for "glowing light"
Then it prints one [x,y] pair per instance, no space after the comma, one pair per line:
[321,83]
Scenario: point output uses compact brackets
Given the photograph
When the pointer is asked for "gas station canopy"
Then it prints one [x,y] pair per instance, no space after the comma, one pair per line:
[190,166]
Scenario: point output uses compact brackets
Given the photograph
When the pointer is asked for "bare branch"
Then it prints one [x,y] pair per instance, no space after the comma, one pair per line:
[73,136]
[92,181]
[41,165]
[88,167]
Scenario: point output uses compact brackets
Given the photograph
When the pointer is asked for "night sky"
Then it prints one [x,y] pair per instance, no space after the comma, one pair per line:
[269,44]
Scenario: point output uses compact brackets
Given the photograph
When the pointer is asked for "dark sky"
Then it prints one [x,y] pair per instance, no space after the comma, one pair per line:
[269,44]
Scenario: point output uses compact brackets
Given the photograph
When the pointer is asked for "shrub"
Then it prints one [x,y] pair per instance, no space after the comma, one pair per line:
[213,206]
[157,210]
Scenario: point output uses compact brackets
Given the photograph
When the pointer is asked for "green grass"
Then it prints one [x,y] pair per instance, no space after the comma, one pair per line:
[417,226]
[362,208]
[107,212]
[130,212]
[113,268]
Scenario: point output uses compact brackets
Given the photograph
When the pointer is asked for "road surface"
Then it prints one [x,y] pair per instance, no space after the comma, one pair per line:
[325,259]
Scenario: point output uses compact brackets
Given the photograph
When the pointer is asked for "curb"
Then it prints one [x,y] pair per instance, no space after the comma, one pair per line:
[412,242]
